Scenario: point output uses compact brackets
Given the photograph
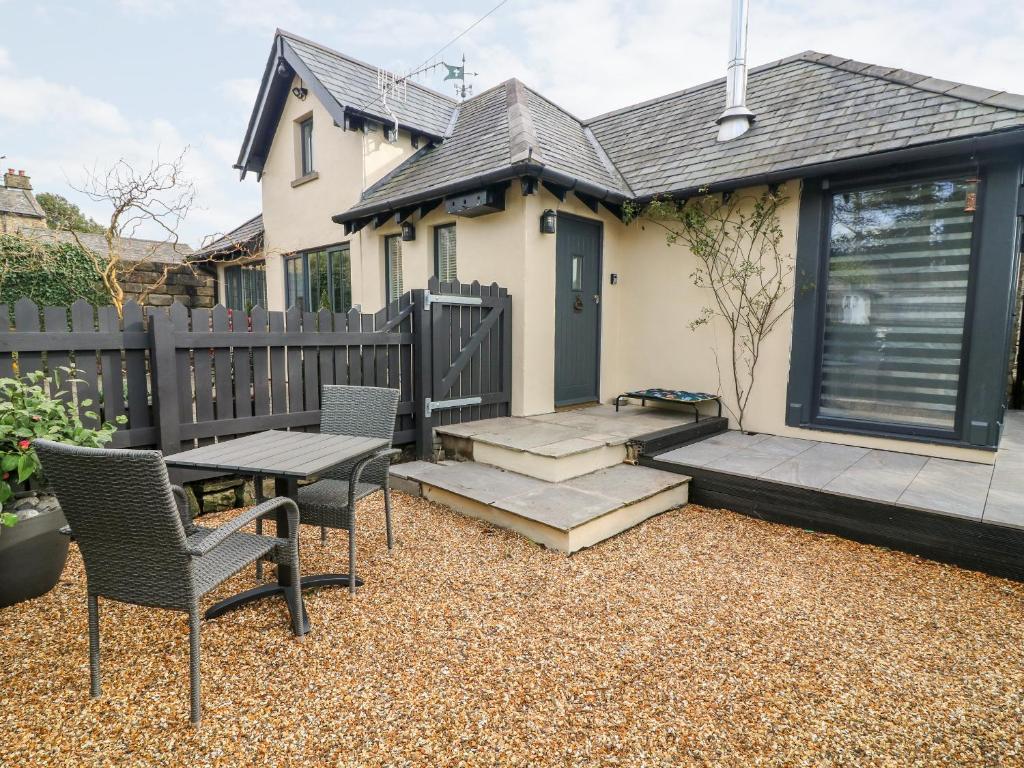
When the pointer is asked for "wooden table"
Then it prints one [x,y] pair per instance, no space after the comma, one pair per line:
[287,457]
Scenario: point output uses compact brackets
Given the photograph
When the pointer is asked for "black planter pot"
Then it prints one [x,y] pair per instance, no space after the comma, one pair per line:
[32,557]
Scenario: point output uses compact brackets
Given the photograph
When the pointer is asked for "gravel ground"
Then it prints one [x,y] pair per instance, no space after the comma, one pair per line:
[699,638]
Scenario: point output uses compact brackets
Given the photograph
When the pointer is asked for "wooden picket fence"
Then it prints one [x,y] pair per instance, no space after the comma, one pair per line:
[185,377]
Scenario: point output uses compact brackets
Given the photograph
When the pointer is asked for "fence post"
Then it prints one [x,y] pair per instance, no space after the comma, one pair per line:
[164,382]
[422,375]
[506,350]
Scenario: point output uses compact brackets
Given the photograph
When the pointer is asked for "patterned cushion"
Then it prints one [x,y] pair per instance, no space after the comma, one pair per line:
[671,395]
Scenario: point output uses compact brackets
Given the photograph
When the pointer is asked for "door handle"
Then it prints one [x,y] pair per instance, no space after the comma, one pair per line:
[597,298]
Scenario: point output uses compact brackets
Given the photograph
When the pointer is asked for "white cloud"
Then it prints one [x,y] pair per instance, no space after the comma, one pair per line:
[269,15]
[33,100]
[241,90]
[148,7]
[5,59]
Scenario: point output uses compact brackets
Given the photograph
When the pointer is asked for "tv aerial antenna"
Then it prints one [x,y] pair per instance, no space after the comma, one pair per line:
[392,90]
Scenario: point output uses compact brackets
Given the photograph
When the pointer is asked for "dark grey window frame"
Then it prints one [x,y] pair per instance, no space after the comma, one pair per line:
[306,146]
[235,282]
[303,258]
[995,258]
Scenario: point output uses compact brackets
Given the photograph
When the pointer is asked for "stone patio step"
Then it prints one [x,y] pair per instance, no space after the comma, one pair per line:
[555,447]
[565,516]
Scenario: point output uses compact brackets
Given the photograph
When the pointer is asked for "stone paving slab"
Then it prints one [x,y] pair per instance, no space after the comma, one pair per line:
[599,424]
[815,466]
[967,489]
[879,475]
[563,506]
[626,483]
[559,506]
[953,487]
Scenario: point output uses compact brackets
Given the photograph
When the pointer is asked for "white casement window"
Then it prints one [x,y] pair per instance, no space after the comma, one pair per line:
[306,146]
[445,263]
[393,267]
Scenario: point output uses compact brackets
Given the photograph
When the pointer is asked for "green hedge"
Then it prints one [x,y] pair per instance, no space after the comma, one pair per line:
[51,274]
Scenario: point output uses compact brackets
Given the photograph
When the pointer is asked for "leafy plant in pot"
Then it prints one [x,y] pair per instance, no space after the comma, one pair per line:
[32,550]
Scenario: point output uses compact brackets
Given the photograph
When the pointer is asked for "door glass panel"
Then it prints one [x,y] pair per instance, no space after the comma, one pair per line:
[896,303]
[577,272]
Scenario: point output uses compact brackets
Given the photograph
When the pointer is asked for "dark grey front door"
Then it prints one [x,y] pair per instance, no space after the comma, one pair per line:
[577,310]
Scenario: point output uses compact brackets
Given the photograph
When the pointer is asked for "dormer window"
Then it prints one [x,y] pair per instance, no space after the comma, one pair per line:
[306,146]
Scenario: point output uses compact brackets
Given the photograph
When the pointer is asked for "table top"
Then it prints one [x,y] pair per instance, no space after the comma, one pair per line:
[300,455]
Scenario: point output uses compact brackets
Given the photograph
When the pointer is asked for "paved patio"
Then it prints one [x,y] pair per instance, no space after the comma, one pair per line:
[991,494]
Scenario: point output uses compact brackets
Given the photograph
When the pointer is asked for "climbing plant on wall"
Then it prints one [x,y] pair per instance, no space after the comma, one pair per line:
[49,273]
[735,242]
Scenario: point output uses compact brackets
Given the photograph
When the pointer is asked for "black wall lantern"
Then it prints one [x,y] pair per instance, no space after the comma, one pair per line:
[408,231]
[547,222]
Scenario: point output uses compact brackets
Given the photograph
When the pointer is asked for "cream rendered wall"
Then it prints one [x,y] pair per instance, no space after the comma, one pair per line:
[299,218]
[645,336]
[496,249]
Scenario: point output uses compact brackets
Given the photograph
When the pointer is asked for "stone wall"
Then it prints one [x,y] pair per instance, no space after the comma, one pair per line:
[188,286]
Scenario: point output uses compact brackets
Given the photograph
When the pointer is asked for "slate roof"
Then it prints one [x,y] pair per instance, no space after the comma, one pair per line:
[247,237]
[353,83]
[20,202]
[345,86]
[503,127]
[811,109]
[132,249]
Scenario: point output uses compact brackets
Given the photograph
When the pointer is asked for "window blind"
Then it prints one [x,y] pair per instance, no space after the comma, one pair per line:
[899,262]
[393,263]
[444,253]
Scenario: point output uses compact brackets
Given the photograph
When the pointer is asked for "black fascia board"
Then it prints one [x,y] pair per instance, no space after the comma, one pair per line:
[527,168]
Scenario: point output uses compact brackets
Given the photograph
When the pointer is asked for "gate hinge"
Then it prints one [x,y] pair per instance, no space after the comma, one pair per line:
[429,406]
[440,298]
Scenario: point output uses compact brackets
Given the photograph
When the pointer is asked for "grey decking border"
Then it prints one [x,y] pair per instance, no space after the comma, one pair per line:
[988,547]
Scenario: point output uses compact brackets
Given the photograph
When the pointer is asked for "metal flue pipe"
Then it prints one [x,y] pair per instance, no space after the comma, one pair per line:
[736,119]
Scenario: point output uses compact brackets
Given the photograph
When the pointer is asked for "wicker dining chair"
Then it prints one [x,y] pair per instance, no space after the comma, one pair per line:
[139,543]
[330,502]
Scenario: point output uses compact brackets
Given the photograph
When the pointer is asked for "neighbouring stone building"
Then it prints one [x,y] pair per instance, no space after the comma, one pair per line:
[145,261]
[18,206]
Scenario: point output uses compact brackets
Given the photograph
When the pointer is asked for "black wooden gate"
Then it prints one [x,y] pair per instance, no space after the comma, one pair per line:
[464,345]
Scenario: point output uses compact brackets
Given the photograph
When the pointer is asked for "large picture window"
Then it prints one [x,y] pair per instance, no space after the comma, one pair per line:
[445,262]
[320,279]
[895,308]
[393,267]
[245,286]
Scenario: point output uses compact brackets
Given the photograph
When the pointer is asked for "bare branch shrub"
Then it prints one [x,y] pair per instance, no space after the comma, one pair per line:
[737,243]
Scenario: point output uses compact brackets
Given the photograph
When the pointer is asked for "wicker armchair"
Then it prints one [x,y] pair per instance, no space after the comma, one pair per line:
[331,501]
[140,545]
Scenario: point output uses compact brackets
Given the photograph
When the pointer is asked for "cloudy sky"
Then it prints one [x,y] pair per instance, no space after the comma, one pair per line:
[84,83]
